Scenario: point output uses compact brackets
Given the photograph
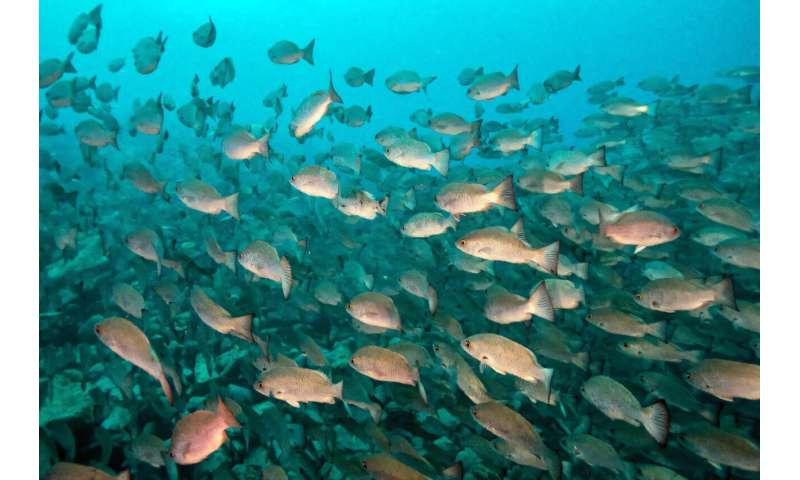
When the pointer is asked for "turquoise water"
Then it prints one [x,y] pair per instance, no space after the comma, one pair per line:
[670,156]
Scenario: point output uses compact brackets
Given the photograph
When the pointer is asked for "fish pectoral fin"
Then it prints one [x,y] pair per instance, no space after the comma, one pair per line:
[639,248]
[293,403]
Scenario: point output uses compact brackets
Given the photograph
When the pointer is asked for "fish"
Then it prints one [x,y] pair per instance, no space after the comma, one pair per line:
[404,82]
[499,244]
[719,448]
[504,307]
[150,449]
[316,181]
[312,109]
[726,379]
[506,356]
[411,153]
[220,319]
[428,224]
[384,365]
[561,79]
[128,299]
[126,340]
[93,133]
[416,283]
[458,198]
[575,162]
[205,35]
[468,75]
[223,73]
[356,77]
[261,259]
[383,466]
[296,385]
[240,144]
[75,471]
[539,180]
[676,294]
[203,197]
[640,228]
[52,69]
[374,309]
[623,323]
[493,85]
[618,403]
[286,52]
[147,53]
[201,433]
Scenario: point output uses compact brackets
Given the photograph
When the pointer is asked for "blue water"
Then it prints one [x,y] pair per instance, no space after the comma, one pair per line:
[609,39]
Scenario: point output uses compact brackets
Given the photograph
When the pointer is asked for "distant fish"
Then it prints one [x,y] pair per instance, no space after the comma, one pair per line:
[262,260]
[205,35]
[408,81]
[223,73]
[126,340]
[201,433]
[355,77]
[240,144]
[74,471]
[52,69]
[116,64]
[468,75]
[493,85]
[285,52]
[561,79]
[220,319]
[203,197]
[147,53]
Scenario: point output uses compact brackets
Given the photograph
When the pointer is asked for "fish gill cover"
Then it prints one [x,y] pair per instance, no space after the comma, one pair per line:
[483,240]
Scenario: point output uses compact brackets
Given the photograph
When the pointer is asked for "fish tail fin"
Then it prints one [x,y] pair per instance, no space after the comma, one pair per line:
[116,93]
[357,165]
[174,265]
[479,72]
[263,146]
[226,415]
[725,293]
[656,420]
[383,205]
[658,329]
[433,300]
[338,390]
[694,356]
[576,75]
[540,303]
[95,17]
[598,158]
[230,261]
[536,139]
[243,327]
[308,52]
[715,159]
[114,140]
[68,67]
[455,470]
[422,392]
[231,205]
[124,475]
[452,222]
[616,172]
[576,184]
[158,267]
[427,81]
[620,81]
[334,96]
[549,255]
[286,277]
[162,379]
[547,379]
[513,78]
[441,162]
[582,270]
[504,193]
[369,112]
[369,76]
[581,360]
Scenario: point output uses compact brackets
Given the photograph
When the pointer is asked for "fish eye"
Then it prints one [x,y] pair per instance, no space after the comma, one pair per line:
[688,376]
[462,242]
[260,384]
[654,303]
[97,329]
[625,345]
[702,205]
[467,343]
[364,464]
[675,230]
[172,454]
[588,316]
[638,296]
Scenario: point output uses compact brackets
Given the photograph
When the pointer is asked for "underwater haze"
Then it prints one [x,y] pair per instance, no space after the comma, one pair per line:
[423,239]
